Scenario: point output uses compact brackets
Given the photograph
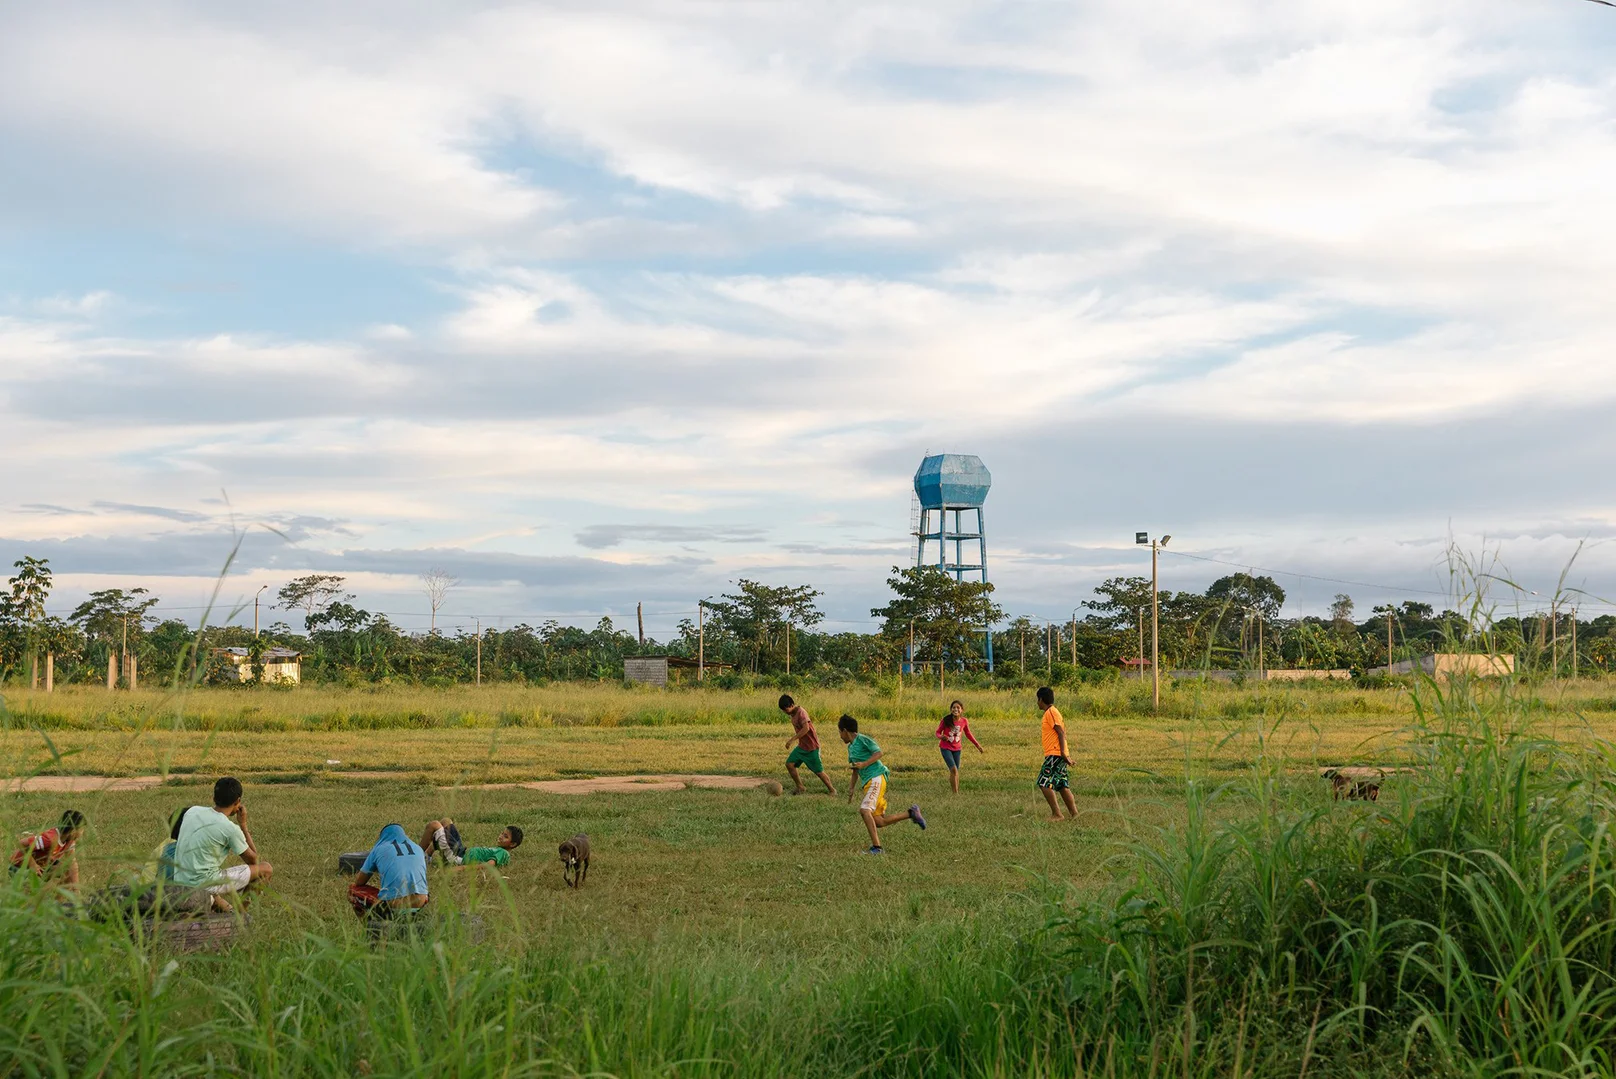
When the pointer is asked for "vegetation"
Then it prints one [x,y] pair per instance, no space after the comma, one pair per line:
[1247,924]
[768,635]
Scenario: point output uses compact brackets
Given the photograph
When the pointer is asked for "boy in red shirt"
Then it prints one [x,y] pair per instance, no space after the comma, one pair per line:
[45,852]
[807,751]
[950,733]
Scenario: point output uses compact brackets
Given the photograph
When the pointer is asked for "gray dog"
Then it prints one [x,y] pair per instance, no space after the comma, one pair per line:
[575,860]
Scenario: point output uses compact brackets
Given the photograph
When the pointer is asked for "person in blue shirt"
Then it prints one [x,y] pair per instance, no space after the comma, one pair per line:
[398,867]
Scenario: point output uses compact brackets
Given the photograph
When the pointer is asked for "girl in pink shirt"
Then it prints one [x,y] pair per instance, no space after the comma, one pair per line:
[951,733]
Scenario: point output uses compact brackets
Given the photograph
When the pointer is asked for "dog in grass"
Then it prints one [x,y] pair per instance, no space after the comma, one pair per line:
[575,860]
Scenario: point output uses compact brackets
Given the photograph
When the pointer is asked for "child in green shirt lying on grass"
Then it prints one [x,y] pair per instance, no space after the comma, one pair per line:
[444,837]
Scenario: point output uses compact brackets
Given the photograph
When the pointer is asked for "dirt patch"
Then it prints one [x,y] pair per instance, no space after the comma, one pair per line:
[630,784]
[76,784]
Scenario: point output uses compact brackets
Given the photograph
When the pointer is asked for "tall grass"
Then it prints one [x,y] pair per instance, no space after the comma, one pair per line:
[1463,925]
[1465,922]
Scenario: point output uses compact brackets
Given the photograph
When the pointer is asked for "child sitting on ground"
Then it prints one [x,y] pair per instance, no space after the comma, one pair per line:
[864,756]
[46,851]
[444,837]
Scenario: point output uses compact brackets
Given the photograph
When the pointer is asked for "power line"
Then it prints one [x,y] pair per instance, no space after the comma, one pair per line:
[1305,576]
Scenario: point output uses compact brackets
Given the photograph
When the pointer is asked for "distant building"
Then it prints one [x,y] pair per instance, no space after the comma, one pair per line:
[654,670]
[280,665]
[1452,664]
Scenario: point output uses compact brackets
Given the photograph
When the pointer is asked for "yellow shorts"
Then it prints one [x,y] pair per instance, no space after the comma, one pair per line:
[875,796]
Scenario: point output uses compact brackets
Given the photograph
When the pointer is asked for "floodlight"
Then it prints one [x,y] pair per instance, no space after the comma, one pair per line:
[1141,537]
[1164,540]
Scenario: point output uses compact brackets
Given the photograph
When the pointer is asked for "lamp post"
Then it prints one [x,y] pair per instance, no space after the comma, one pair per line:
[255,609]
[1156,546]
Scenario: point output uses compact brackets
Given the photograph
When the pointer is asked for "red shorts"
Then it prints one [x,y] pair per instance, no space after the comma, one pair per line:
[366,900]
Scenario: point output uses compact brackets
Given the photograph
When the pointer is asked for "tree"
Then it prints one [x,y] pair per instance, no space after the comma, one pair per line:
[1121,600]
[1260,594]
[22,612]
[114,617]
[1341,612]
[437,582]
[949,616]
[757,616]
[311,594]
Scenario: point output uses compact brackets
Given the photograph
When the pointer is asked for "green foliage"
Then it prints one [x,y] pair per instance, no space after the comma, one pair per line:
[754,621]
[949,617]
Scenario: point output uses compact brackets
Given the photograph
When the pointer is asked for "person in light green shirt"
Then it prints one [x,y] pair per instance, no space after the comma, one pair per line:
[864,757]
[211,834]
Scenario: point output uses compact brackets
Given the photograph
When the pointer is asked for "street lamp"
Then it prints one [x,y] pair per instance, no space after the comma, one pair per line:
[1156,546]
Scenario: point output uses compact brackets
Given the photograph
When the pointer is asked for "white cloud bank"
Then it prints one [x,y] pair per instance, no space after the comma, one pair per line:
[724,272]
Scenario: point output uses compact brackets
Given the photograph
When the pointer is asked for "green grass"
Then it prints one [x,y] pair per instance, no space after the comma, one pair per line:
[1211,913]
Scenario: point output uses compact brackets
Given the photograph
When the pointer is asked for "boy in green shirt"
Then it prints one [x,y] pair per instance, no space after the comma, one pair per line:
[445,837]
[864,757]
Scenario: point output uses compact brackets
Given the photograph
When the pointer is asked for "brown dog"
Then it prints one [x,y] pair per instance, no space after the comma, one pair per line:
[575,860]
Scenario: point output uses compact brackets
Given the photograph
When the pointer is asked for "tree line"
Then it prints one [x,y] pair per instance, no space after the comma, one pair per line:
[931,623]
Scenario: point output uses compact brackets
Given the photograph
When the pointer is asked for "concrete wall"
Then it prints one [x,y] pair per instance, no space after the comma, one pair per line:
[651,670]
[1253,676]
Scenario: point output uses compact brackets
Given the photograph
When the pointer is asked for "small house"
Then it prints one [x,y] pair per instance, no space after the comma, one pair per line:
[654,670]
[281,665]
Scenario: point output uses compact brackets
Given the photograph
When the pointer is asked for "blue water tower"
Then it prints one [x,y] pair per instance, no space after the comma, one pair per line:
[953,483]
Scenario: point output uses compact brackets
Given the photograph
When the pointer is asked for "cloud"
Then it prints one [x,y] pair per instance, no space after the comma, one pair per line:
[1310,285]
[598,537]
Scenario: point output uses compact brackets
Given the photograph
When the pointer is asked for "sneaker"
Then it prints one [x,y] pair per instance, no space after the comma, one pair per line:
[914,815]
[875,850]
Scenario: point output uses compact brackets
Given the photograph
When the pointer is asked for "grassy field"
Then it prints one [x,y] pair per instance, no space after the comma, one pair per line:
[732,933]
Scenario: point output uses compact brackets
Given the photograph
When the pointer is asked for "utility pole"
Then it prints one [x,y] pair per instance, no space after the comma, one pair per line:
[1139,619]
[1156,546]
[1049,649]
[480,651]
[1074,638]
[701,641]
[124,653]
[1573,621]
[1388,640]
[1023,663]
[788,649]
[255,610]
[911,645]
[639,614]
[1262,661]
[1554,622]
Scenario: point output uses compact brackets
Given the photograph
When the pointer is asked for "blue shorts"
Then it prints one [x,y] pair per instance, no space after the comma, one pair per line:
[951,758]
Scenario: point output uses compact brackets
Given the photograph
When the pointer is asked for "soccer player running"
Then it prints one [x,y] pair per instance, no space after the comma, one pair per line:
[807,751]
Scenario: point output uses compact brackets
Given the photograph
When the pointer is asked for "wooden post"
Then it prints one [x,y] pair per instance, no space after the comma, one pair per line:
[1155,628]
[133,679]
[50,672]
[639,614]
[1139,617]
[112,677]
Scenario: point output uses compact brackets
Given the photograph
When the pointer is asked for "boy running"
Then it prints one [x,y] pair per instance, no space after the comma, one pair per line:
[1053,776]
[46,852]
[864,756]
[950,733]
[807,751]
[445,837]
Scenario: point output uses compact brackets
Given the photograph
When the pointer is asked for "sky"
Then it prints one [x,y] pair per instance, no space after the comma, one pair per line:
[598,304]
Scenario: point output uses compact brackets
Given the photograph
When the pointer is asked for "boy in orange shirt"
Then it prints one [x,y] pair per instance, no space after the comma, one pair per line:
[1053,776]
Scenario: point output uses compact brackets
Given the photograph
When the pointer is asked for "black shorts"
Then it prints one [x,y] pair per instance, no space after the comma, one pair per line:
[1053,776]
